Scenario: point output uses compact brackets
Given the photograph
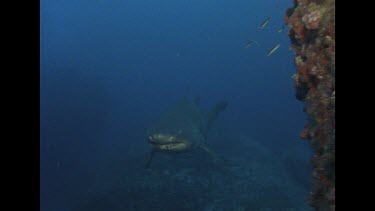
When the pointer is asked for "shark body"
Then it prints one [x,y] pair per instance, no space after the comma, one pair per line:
[182,128]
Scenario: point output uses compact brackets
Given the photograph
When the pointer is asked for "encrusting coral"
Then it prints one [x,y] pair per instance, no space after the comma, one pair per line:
[312,34]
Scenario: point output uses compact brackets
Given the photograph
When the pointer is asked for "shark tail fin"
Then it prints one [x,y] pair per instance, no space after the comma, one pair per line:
[212,114]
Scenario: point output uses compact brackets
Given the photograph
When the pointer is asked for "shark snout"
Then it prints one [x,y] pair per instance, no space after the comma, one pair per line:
[161,138]
[168,142]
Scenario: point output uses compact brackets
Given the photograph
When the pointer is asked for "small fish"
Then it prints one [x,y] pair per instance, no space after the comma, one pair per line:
[273,49]
[248,44]
[281,29]
[265,22]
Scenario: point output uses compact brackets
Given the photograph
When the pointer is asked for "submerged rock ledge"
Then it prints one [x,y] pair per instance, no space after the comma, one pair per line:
[312,33]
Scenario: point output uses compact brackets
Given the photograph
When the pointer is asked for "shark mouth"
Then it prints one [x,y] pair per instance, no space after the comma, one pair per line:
[168,143]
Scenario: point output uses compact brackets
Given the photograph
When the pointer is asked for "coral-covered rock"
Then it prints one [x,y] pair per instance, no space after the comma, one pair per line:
[312,34]
[311,20]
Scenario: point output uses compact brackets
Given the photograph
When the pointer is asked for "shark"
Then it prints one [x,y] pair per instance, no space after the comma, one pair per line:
[183,128]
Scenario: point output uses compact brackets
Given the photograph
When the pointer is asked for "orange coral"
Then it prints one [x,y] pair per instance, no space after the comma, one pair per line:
[305,134]
[330,28]
[315,85]
[298,27]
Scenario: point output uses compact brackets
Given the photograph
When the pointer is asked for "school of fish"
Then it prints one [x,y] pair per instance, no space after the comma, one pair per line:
[261,27]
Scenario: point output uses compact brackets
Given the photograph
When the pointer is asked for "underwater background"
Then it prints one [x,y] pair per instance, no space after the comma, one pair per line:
[110,69]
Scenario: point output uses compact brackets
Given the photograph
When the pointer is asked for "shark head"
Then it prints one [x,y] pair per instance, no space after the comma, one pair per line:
[182,127]
[168,142]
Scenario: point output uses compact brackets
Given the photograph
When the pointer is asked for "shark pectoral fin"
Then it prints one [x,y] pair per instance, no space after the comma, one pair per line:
[212,114]
[210,152]
[149,159]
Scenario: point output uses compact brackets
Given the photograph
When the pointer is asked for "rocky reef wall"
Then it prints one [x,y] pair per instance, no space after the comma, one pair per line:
[312,34]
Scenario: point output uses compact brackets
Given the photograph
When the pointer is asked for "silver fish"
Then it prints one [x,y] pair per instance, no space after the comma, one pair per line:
[281,29]
[265,22]
[248,44]
[273,49]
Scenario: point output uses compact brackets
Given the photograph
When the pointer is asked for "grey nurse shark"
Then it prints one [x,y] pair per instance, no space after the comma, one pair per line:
[183,128]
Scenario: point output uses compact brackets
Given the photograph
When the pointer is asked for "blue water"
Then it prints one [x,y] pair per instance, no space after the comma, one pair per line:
[109,69]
